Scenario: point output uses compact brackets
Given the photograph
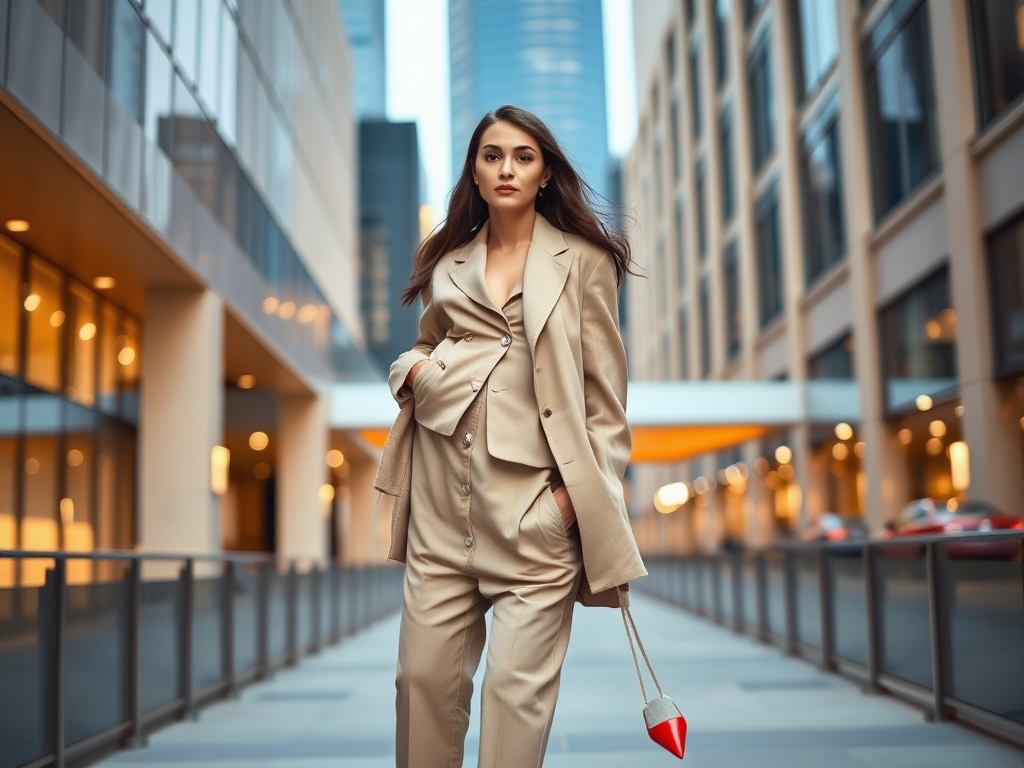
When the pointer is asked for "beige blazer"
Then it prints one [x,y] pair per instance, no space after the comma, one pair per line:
[570,313]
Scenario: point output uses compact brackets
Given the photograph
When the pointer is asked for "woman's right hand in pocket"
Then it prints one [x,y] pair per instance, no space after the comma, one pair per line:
[411,377]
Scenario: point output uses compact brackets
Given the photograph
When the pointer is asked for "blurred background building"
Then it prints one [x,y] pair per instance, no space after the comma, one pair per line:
[833,190]
[178,275]
[544,57]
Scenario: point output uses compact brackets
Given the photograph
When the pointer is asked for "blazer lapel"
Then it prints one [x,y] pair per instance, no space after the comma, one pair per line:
[547,269]
[468,271]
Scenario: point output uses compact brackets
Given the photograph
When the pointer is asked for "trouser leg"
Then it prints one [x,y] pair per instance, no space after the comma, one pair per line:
[440,642]
[529,637]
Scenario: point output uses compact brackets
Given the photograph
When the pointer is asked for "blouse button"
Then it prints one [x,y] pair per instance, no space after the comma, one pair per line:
[505,339]
[468,337]
[546,412]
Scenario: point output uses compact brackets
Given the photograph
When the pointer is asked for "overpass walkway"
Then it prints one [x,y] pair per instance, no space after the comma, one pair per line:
[747,705]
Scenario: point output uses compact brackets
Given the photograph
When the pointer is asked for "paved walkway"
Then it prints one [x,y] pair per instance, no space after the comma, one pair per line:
[747,706]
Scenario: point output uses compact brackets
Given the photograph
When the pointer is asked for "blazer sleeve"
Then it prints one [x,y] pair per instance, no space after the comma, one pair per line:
[605,373]
[430,335]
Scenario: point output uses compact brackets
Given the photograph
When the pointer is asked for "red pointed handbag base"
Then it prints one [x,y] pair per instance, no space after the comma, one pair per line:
[671,735]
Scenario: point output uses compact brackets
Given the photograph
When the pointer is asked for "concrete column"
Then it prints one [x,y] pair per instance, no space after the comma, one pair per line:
[181,420]
[884,466]
[987,424]
[303,438]
[364,543]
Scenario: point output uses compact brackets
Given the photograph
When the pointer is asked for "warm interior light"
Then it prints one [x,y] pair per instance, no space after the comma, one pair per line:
[16,225]
[270,305]
[287,310]
[75,457]
[32,302]
[87,331]
[258,441]
[126,356]
[937,428]
[1020,27]
[326,492]
[335,458]
[959,410]
[67,512]
[951,505]
[670,497]
[933,446]
[840,451]
[905,436]
[246,381]
[307,314]
[104,283]
[786,471]
[220,459]
[783,454]
[261,471]
[960,465]
[844,431]
[57,319]
[31,465]
[923,402]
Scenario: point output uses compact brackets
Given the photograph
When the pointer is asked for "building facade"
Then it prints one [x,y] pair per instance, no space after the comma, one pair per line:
[547,58]
[179,273]
[364,25]
[832,189]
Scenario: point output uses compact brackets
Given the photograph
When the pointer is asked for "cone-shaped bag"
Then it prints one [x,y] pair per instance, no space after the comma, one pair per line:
[665,723]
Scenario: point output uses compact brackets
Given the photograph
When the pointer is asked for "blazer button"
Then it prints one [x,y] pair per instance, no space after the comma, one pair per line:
[546,412]
[468,541]
[468,337]
[505,339]
[467,439]
[441,363]
[464,489]
[474,385]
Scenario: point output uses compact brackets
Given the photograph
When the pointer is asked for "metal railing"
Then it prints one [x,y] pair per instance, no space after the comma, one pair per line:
[935,620]
[98,650]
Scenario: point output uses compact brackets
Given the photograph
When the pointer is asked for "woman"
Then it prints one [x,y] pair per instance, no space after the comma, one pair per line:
[508,455]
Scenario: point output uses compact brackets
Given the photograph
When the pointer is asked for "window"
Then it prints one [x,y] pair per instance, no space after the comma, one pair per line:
[762,105]
[998,27]
[680,246]
[659,176]
[821,188]
[769,263]
[705,329]
[815,35]
[702,235]
[733,313]
[695,95]
[1006,277]
[901,106]
[833,362]
[670,57]
[690,11]
[751,9]
[684,343]
[918,343]
[677,159]
[721,42]
[726,163]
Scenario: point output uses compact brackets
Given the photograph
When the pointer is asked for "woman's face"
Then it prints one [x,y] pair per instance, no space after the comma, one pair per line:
[509,168]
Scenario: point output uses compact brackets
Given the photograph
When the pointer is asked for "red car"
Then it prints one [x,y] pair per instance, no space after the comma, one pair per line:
[930,516]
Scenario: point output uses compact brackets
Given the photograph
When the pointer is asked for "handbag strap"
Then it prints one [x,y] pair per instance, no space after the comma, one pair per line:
[627,621]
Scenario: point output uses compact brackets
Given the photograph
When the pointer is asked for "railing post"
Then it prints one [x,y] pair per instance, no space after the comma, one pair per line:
[736,567]
[789,594]
[293,615]
[825,608]
[335,603]
[60,627]
[228,608]
[716,587]
[188,596]
[761,586]
[935,621]
[874,640]
[263,622]
[318,602]
[137,739]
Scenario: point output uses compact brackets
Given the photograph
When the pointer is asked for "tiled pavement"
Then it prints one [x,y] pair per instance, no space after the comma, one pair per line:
[746,704]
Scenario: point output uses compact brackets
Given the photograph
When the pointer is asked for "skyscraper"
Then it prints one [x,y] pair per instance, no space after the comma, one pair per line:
[364,26]
[545,57]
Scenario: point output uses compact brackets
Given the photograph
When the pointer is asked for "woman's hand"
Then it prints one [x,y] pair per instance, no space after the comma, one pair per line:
[411,377]
[565,506]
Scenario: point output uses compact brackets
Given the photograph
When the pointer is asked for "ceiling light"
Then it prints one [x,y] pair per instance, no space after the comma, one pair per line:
[246,381]
[32,302]
[258,441]
[16,225]
[104,283]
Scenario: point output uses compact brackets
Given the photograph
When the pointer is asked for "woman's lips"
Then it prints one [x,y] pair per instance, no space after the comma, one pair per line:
[505,189]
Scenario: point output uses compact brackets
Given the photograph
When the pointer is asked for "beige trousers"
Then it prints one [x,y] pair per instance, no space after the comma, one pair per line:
[484,533]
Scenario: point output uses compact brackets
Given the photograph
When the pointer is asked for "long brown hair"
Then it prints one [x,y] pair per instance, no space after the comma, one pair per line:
[568,202]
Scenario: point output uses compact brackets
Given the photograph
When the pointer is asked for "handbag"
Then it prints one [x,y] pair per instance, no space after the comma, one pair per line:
[665,723]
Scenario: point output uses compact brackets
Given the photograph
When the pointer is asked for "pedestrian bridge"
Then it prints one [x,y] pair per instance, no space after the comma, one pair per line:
[669,420]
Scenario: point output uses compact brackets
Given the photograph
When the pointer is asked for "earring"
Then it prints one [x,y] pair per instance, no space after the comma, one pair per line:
[540,192]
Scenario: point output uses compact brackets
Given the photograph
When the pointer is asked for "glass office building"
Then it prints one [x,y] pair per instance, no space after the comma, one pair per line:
[545,57]
[364,26]
[178,271]
[838,218]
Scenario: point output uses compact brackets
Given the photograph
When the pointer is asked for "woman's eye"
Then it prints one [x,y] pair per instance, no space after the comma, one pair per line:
[525,158]
[490,157]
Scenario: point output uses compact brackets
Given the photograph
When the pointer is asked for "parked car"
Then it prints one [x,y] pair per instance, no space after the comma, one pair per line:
[931,516]
[832,527]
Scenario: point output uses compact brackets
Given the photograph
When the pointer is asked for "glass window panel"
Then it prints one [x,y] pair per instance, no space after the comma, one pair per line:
[39,529]
[680,245]
[45,326]
[727,169]
[185,133]
[83,335]
[817,41]
[677,159]
[34,57]
[1006,277]
[127,53]
[109,330]
[76,504]
[884,131]
[769,262]
[721,41]
[3,38]
[918,341]
[8,530]
[918,100]
[833,362]
[107,472]
[695,95]
[762,105]
[998,53]
[821,189]
[185,46]
[209,55]
[705,329]
[733,312]
[702,238]
[227,112]
[10,307]
[157,111]
[684,343]
[87,31]
[159,14]
[129,360]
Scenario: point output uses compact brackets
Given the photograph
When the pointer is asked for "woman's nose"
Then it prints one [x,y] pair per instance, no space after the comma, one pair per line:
[506,168]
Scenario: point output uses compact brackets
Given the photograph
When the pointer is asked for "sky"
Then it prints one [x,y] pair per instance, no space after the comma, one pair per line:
[418,82]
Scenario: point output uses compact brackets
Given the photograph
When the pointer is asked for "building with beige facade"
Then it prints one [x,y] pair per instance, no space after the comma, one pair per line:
[832,189]
[178,278]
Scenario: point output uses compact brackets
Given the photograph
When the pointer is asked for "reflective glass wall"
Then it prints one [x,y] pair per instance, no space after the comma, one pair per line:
[69,382]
